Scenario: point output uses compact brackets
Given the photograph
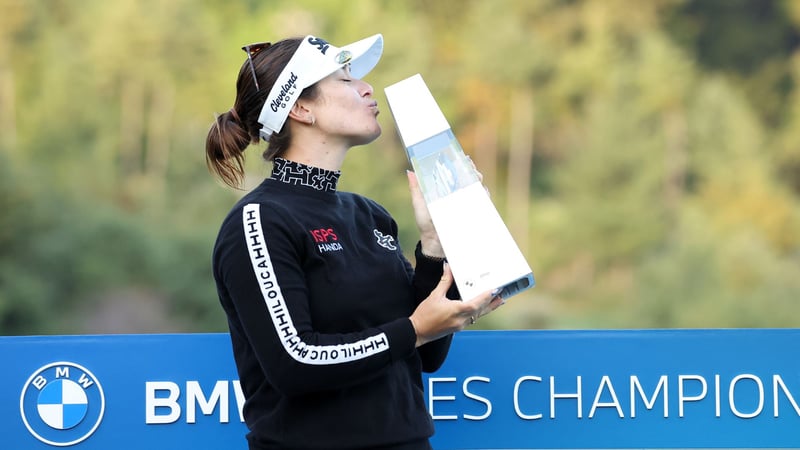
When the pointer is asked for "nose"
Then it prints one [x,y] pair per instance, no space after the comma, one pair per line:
[366,89]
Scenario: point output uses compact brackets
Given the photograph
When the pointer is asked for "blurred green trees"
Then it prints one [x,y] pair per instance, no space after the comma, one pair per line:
[646,155]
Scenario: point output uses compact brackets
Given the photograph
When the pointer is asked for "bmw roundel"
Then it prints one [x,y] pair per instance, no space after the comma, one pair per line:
[62,403]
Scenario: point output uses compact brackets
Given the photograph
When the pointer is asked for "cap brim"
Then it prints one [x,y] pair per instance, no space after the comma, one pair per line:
[366,54]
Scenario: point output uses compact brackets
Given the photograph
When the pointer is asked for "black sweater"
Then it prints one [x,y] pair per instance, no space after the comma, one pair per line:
[318,293]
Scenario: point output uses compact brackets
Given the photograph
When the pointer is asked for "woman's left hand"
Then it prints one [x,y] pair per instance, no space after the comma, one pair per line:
[427,232]
[438,316]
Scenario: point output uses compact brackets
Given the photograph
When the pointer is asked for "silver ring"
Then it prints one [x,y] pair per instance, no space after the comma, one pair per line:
[471,320]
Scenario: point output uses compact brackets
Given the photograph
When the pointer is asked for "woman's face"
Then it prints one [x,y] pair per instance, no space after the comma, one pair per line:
[345,110]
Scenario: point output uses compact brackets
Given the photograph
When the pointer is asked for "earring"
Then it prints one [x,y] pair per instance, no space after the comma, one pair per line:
[313,120]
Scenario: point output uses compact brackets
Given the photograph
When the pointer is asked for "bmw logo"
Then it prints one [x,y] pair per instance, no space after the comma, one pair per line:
[62,404]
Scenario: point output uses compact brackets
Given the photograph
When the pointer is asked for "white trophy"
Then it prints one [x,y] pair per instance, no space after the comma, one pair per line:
[479,248]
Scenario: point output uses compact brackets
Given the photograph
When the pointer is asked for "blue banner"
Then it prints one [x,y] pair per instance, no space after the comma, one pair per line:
[498,389]
[619,389]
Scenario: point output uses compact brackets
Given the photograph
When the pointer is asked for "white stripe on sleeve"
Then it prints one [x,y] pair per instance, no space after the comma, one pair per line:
[281,320]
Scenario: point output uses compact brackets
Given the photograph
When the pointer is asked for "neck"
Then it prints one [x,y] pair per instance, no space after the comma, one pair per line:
[316,149]
[328,161]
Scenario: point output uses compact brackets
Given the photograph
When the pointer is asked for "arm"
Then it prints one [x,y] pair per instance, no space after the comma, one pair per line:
[436,317]
[427,275]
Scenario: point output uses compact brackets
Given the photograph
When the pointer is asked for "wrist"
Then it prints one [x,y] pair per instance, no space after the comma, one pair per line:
[432,248]
[419,340]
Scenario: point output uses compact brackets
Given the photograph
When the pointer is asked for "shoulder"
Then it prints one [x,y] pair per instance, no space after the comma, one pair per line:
[255,206]
[362,202]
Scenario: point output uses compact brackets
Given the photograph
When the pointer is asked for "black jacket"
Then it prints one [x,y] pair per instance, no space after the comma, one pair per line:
[318,293]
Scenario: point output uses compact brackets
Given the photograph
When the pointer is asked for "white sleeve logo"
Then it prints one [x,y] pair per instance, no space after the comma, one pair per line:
[281,320]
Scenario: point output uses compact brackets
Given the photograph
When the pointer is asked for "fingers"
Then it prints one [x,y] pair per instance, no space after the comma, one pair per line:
[475,168]
[480,175]
[445,282]
[413,186]
[481,305]
[421,213]
[413,183]
[496,302]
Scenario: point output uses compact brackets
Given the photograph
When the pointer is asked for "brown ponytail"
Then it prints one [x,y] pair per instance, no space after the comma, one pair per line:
[233,131]
[225,145]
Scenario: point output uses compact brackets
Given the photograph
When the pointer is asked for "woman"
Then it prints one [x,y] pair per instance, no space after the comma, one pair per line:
[330,325]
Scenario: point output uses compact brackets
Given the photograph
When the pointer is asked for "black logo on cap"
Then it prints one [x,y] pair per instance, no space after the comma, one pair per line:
[320,43]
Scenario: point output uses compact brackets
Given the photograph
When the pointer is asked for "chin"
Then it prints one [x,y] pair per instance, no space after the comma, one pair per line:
[367,137]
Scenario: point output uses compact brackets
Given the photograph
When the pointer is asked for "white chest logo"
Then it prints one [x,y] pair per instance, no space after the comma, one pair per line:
[384,240]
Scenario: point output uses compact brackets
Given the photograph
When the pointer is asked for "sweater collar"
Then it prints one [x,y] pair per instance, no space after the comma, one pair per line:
[291,172]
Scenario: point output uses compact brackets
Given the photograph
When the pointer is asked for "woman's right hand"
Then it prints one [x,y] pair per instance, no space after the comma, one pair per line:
[437,316]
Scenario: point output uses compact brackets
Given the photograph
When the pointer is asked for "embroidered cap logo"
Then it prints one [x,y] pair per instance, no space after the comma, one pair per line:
[321,44]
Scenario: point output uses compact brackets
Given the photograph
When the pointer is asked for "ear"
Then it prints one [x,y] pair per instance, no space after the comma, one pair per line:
[301,113]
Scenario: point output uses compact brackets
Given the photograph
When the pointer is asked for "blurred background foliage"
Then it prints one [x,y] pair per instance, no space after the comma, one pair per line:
[645,155]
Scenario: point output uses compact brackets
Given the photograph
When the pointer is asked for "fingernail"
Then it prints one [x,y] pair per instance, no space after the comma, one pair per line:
[497,292]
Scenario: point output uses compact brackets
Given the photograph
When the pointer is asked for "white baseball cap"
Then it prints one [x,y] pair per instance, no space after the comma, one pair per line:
[314,60]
